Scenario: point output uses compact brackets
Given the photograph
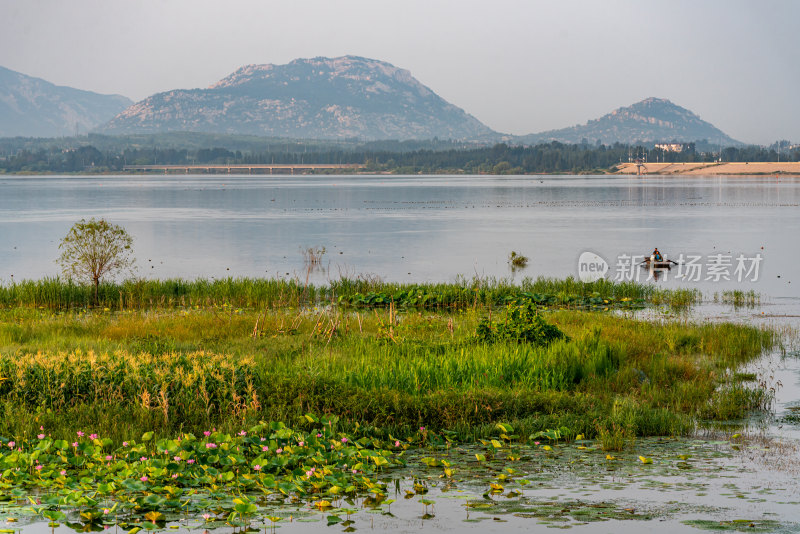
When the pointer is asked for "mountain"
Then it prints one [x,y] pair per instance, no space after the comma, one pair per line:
[648,121]
[32,107]
[321,98]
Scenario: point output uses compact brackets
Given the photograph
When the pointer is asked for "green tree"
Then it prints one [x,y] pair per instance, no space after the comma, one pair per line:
[95,248]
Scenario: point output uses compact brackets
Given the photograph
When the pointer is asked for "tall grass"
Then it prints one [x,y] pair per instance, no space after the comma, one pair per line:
[58,294]
[171,369]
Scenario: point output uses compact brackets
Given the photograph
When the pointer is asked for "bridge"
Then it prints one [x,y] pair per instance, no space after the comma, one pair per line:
[245,168]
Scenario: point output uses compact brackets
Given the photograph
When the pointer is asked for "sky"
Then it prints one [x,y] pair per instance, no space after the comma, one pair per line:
[518,66]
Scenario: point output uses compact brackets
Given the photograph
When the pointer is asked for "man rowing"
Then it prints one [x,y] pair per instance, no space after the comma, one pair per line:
[656,256]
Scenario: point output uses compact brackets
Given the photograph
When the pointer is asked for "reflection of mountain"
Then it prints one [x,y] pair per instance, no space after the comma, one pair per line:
[307,98]
[651,120]
[32,107]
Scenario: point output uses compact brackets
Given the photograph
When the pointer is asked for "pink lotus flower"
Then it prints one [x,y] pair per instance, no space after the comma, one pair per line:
[422,429]
[177,458]
[206,433]
[93,436]
[319,435]
[143,479]
[80,433]
[207,517]
[190,461]
[257,467]
[302,443]
[264,448]
[344,440]
[263,439]
[397,443]
[39,467]
[40,436]
[63,472]
[75,444]
[143,459]
[124,443]
[242,433]
[109,458]
[174,475]
[106,511]
[211,445]
[278,451]
[11,444]
[535,442]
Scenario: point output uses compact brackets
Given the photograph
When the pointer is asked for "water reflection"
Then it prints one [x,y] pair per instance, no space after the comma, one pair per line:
[407,228]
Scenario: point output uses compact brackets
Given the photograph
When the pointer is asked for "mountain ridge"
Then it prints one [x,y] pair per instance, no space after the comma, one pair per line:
[348,96]
[33,107]
[651,120]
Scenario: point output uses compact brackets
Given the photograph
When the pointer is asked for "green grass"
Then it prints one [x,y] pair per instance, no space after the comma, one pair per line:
[57,294]
[169,369]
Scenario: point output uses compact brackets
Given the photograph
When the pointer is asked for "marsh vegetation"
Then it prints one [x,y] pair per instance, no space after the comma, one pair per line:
[279,392]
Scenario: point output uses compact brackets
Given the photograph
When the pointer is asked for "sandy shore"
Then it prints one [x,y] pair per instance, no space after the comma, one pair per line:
[712,169]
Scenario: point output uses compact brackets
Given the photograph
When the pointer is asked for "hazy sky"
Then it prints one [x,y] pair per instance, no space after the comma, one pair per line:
[518,66]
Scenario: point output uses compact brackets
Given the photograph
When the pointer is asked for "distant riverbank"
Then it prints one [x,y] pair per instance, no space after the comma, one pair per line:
[712,168]
[675,169]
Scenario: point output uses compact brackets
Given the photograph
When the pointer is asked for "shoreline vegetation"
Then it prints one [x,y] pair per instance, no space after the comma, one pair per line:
[247,402]
[747,168]
[173,356]
[176,155]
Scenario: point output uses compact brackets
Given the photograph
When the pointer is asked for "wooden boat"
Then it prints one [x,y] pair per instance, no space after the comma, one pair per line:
[663,264]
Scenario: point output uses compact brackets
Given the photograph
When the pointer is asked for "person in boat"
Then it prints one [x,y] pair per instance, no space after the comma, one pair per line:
[656,256]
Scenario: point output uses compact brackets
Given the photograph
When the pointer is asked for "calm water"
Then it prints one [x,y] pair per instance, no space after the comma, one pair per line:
[410,228]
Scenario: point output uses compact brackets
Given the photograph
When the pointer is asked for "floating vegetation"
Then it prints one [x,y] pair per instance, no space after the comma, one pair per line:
[517,261]
[312,255]
[271,473]
[151,481]
[738,298]
[736,525]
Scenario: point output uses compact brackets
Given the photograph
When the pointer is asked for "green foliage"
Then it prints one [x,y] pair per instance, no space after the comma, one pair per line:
[522,324]
[94,249]
[106,153]
[57,294]
[170,367]
[517,261]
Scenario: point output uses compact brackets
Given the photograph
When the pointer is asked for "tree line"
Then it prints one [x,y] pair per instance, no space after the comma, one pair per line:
[501,158]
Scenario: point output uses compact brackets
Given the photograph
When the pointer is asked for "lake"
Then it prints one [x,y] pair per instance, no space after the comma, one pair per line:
[418,228]
[412,228]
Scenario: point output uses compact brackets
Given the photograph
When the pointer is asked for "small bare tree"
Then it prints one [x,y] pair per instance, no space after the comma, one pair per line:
[95,248]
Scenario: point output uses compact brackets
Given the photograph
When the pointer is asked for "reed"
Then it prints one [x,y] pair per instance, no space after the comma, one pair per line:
[256,293]
[170,369]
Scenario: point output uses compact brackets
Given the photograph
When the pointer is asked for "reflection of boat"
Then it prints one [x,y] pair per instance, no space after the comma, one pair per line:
[653,264]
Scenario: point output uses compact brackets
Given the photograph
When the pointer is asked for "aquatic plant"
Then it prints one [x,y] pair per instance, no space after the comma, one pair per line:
[517,261]
[362,291]
[522,323]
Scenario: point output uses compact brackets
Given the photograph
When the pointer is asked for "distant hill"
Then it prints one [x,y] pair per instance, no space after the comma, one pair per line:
[320,98]
[32,107]
[651,120]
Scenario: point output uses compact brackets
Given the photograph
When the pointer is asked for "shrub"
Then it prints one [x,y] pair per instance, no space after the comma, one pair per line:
[523,324]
